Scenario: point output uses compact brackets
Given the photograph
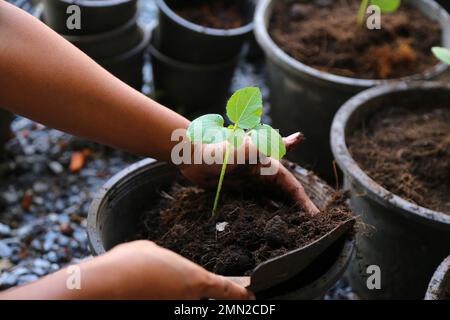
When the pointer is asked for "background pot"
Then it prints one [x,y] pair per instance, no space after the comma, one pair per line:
[111,43]
[439,287]
[128,66]
[114,217]
[191,89]
[5,131]
[96,15]
[185,41]
[407,241]
[305,99]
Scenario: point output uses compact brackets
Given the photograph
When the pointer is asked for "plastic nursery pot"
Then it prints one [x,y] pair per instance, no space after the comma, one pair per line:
[406,241]
[311,97]
[128,66]
[96,15]
[191,88]
[5,122]
[105,44]
[188,42]
[115,217]
[439,287]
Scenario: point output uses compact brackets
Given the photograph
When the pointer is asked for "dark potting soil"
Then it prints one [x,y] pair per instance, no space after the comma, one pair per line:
[324,34]
[259,228]
[407,151]
[217,14]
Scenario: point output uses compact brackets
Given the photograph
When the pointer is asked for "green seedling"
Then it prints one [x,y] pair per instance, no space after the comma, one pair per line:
[442,54]
[386,6]
[244,110]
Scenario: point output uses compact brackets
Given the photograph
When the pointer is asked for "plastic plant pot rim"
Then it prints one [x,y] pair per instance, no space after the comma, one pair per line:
[132,52]
[299,69]
[89,38]
[96,3]
[189,66]
[102,198]
[440,279]
[200,29]
[356,174]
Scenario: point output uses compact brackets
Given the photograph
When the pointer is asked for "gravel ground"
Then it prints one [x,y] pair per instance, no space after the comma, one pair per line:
[43,205]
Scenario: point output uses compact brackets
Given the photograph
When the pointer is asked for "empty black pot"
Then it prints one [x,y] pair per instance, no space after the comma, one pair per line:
[185,41]
[128,66]
[191,88]
[96,15]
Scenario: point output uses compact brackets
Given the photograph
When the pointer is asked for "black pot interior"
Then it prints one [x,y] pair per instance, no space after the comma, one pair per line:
[413,98]
[247,7]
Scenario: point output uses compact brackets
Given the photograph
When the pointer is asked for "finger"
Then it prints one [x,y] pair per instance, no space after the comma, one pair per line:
[293,140]
[287,182]
[220,288]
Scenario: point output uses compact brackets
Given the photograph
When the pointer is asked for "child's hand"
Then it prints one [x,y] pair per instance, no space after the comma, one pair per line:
[237,174]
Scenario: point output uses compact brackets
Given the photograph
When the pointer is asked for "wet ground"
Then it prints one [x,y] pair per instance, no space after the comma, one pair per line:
[43,206]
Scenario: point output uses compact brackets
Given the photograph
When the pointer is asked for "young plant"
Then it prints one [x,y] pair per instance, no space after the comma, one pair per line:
[386,6]
[442,54]
[244,110]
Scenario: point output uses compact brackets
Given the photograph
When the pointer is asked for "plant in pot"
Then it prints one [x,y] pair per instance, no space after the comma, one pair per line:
[319,56]
[393,144]
[195,50]
[250,226]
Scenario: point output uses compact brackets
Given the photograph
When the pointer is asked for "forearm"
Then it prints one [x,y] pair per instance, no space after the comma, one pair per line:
[45,78]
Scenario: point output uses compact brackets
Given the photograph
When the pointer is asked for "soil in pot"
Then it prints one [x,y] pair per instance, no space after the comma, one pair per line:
[324,34]
[252,227]
[407,151]
[217,14]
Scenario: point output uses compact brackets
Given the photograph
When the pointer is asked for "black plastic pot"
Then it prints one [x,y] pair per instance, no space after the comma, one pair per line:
[114,217]
[439,287]
[188,42]
[405,240]
[111,43]
[191,88]
[5,132]
[306,99]
[128,66]
[96,15]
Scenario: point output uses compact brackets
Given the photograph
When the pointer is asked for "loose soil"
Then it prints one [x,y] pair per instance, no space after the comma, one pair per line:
[217,14]
[259,228]
[407,151]
[324,34]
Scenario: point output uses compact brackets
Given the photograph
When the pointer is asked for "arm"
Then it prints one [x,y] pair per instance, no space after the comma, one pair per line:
[43,77]
[136,270]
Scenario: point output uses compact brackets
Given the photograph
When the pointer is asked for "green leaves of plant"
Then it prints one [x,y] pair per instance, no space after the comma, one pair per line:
[442,54]
[244,108]
[268,141]
[387,6]
[208,129]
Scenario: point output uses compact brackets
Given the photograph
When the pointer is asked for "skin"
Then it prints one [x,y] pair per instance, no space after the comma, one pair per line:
[45,78]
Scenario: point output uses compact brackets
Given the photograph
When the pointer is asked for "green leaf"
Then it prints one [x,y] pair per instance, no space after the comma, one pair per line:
[207,129]
[268,141]
[236,137]
[442,54]
[245,107]
[387,6]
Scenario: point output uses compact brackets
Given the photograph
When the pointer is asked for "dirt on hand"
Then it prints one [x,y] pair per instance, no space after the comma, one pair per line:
[255,227]
[407,151]
[217,14]
[325,35]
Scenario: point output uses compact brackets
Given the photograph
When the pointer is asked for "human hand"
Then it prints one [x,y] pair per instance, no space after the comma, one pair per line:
[207,175]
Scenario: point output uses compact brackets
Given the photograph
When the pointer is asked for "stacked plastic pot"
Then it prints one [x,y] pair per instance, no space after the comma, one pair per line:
[109,33]
[193,65]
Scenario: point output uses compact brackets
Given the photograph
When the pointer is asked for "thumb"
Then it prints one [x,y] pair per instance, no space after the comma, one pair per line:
[293,140]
